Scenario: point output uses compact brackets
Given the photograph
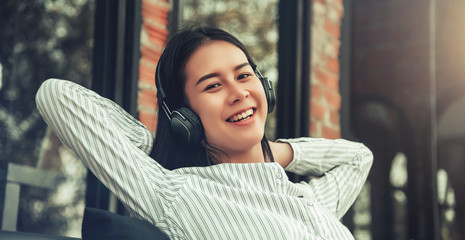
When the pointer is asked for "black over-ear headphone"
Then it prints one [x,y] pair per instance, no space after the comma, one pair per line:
[185,124]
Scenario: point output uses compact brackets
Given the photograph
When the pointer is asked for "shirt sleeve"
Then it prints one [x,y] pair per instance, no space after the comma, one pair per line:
[341,168]
[111,143]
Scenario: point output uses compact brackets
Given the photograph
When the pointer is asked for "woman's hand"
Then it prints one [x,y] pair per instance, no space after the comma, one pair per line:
[282,153]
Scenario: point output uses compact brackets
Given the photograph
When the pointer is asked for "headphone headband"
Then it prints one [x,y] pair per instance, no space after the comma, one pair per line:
[160,93]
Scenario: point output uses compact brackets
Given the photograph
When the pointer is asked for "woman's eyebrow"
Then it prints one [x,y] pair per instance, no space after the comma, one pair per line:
[241,65]
[212,75]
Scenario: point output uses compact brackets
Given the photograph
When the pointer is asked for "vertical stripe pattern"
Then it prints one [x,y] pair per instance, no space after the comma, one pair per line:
[224,201]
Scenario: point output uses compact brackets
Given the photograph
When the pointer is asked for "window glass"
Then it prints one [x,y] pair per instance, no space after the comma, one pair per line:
[447,202]
[362,214]
[399,179]
[41,39]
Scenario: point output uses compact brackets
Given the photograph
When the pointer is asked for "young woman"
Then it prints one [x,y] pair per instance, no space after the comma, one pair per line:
[214,176]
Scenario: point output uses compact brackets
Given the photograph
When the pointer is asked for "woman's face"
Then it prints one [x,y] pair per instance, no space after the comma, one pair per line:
[222,89]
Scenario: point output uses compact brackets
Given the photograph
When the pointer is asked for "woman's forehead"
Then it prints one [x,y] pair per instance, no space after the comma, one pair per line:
[214,56]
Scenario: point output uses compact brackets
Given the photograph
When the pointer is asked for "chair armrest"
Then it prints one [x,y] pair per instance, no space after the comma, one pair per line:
[30,236]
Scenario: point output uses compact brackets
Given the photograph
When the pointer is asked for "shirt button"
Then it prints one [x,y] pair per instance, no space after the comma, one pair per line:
[279,175]
[309,203]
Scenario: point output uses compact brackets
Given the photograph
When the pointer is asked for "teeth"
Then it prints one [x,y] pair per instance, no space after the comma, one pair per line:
[241,116]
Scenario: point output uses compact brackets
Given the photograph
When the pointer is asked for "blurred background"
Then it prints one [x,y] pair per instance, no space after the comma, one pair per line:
[390,74]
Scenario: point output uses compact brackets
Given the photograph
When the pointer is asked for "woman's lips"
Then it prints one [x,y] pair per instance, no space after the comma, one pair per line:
[248,113]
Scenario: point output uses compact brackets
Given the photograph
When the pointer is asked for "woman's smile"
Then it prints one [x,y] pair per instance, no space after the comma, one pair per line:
[241,115]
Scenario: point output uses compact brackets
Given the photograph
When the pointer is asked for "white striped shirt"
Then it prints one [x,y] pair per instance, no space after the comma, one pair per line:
[224,201]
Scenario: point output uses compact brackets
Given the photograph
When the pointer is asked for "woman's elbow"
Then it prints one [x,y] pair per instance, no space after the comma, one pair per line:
[366,156]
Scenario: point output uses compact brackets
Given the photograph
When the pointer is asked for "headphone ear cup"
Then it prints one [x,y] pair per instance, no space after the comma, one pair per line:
[269,93]
[186,125]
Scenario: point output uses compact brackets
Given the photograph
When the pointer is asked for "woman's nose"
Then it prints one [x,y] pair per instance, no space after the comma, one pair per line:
[237,93]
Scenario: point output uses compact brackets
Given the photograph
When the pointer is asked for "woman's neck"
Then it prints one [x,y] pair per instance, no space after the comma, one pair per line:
[251,155]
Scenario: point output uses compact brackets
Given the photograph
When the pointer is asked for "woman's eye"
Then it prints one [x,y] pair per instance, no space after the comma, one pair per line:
[212,86]
[242,76]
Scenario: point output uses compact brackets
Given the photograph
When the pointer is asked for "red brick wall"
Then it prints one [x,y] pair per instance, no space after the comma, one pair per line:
[153,38]
[325,99]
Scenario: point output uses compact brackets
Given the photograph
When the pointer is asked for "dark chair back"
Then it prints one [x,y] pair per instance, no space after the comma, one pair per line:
[99,224]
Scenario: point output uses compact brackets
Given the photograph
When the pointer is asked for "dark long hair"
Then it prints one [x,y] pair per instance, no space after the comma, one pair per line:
[167,150]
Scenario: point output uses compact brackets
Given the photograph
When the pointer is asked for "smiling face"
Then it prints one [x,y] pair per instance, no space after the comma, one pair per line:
[222,89]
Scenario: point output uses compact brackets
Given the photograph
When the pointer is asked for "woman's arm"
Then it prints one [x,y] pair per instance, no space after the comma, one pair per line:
[341,167]
[111,143]
[282,153]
